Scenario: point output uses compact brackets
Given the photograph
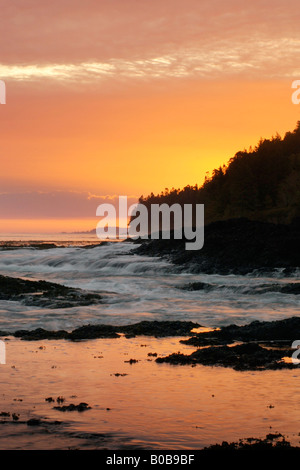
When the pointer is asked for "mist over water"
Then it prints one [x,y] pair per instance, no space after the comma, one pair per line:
[136,288]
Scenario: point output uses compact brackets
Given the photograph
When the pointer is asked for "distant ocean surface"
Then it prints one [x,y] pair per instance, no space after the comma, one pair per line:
[59,238]
[134,287]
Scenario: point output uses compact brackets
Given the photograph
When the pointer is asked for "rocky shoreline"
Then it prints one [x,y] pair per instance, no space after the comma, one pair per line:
[45,294]
[282,288]
[236,246]
[158,329]
[273,444]
[256,346]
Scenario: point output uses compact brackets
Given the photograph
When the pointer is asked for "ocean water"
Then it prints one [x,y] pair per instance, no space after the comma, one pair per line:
[135,288]
[151,406]
[144,405]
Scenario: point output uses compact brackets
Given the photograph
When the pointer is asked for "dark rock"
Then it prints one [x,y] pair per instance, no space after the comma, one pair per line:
[16,245]
[93,332]
[132,361]
[241,357]
[274,443]
[39,422]
[148,328]
[283,288]
[45,294]
[198,286]
[283,330]
[4,333]
[81,407]
[273,436]
[236,246]
[159,328]
[264,345]
[34,422]
[40,334]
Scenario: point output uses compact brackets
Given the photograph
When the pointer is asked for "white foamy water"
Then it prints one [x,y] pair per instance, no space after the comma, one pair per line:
[137,288]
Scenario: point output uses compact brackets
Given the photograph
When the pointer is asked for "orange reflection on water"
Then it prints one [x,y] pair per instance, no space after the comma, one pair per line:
[204,329]
[142,403]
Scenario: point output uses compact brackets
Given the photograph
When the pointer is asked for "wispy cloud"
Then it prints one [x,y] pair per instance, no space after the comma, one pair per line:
[262,57]
[69,40]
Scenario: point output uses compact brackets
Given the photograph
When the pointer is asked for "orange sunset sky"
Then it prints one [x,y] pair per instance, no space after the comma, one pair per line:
[126,97]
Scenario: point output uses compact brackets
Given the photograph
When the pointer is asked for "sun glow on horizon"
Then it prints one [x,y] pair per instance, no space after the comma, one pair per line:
[151,99]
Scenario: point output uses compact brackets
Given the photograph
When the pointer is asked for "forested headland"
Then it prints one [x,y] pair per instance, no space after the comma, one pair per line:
[260,184]
[252,212]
